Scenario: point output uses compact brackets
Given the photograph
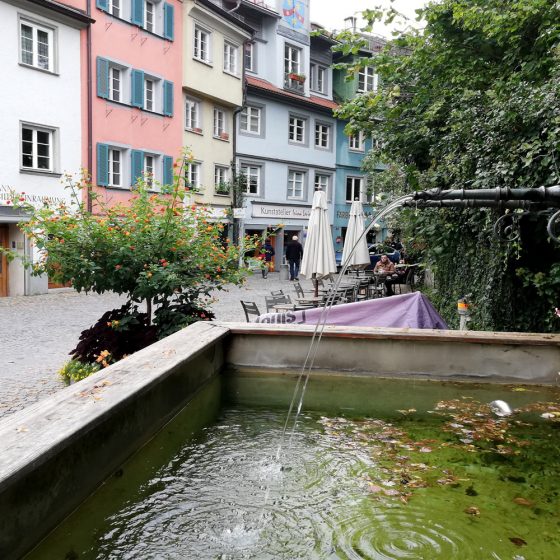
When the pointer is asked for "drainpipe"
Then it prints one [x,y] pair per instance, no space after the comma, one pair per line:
[89,204]
[237,234]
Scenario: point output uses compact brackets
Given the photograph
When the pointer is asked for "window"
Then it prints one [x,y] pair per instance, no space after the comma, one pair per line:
[221,176]
[201,45]
[367,79]
[318,76]
[249,57]
[251,120]
[252,175]
[149,92]
[36,46]
[192,109]
[115,84]
[357,142]
[292,59]
[322,183]
[149,11]
[353,188]
[115,8]
[220,124]
[230,58]
[297,130]
[114,171]
[149,176]
[36,148]
[322,135]
[193,176]
[295,184]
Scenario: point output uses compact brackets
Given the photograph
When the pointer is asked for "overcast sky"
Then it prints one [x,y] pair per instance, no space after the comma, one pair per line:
[331,13]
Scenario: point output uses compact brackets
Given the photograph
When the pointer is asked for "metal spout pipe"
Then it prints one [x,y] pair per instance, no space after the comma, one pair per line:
[550,196]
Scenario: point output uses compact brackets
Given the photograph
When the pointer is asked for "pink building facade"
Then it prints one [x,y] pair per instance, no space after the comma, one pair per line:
[132,116]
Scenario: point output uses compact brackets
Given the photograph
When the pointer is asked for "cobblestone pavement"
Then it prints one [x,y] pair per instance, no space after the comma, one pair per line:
[37,332]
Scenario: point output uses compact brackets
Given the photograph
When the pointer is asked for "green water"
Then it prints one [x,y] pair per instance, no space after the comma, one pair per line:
[375,471]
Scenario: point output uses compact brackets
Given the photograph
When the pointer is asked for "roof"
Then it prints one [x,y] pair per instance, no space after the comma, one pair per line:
[229,16]
[63,9]
[261,6]
[312,101]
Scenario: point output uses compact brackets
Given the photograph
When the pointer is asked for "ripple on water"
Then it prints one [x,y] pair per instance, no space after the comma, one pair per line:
[228,498]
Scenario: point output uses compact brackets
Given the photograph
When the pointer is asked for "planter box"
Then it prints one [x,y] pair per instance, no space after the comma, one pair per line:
[297,78]
[224,136]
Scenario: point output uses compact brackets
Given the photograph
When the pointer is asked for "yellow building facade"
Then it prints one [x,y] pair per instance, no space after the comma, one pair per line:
[213,90]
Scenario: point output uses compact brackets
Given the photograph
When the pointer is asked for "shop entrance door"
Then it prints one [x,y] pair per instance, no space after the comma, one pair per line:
[3,262]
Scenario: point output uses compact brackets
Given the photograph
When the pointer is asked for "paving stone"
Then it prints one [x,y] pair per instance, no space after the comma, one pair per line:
[37,332]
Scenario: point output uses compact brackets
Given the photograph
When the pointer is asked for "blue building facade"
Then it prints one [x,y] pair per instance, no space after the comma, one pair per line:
[285,134]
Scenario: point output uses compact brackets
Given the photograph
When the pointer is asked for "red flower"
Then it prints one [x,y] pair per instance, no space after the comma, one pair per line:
[118,266]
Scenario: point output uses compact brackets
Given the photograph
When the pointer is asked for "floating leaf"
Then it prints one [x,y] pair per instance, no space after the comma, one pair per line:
[523,502]
[517,541]
[472,510]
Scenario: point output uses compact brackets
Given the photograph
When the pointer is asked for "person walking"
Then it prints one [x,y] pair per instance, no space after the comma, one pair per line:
[268,251]
[294,254]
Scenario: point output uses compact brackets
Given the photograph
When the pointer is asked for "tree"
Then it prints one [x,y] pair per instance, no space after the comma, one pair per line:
[472,101]
[159,249]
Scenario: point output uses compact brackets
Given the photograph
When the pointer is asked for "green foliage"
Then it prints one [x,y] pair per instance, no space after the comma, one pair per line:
[74,370]
[117,334]
[472,102]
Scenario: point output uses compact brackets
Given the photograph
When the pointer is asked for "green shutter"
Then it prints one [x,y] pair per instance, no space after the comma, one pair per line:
[137,12]
[102,5]
[137,83]
[137,160]
[102,165]
[167,170]
[168,21]
[168,98]
[102,77]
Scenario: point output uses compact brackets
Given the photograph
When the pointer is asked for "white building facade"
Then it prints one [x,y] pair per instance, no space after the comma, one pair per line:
[41,116]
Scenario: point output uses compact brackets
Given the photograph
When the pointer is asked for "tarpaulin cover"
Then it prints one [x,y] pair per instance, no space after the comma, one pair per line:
[412,310]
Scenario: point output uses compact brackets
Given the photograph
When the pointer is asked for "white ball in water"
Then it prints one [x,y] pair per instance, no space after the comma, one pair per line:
[500,408]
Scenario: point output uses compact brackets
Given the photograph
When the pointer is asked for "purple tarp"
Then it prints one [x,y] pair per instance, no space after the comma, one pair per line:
[405,311]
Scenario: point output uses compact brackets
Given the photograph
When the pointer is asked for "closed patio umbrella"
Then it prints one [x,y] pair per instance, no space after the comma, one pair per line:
[318,253]
[354,231]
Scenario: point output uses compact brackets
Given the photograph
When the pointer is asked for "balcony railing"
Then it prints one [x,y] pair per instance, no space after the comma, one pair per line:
[294,82]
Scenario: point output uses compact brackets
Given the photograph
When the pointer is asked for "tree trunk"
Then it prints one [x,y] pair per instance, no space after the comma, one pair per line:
[149,310]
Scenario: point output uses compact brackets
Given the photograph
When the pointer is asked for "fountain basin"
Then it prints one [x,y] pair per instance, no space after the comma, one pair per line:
[55,453]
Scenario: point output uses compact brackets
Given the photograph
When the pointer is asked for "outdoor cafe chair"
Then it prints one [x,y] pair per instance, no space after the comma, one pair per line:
[250,308]
[272,301]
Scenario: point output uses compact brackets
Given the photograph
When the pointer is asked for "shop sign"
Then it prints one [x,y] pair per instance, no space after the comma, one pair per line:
[281,212]
[8,195]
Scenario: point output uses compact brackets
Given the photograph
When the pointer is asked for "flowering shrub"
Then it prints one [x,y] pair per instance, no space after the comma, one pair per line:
[159,249]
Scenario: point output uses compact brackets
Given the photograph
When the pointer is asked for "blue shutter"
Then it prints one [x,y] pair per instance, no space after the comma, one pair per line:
[137,83]
[102,5]
[168,98]
[102,165]
[137,158]
[102,77]
[137,12]
[168,21]
[167,170]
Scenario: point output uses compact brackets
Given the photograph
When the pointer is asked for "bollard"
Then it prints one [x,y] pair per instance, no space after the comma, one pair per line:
[463,308]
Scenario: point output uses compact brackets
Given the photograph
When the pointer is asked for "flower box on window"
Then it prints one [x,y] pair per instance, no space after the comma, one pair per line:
[224,135]
[222,188]
[197,130]
[297,78]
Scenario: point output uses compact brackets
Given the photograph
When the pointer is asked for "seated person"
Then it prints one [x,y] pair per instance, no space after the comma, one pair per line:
[386,268]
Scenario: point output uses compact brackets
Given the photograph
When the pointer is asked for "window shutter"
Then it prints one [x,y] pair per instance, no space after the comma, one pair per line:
[102,5]
[167,170]
[168,21]
[137,83]
[168,98]
[102,165]
[137,157]
[102,77]
[137,12]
